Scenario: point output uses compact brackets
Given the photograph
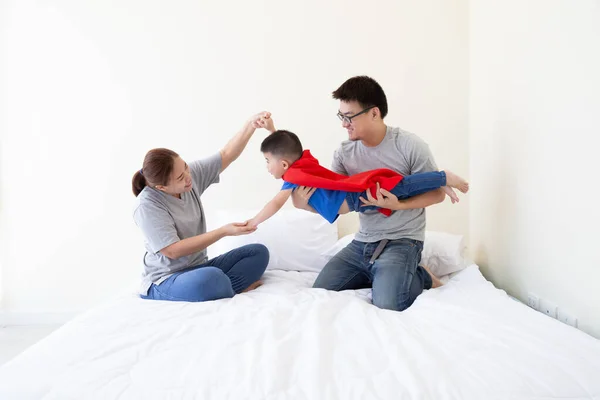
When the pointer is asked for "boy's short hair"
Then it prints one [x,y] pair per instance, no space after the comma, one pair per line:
[365,90]
[282,143]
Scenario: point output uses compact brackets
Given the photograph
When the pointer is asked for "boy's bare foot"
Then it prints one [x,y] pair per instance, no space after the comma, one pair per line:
[456,181]
[451,193]
[253,286]
[435,282]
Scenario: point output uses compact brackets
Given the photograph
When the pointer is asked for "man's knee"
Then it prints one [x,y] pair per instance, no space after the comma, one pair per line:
[324,281]
[392,301]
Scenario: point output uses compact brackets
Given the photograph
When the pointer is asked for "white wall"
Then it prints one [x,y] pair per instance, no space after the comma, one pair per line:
[534,126]
[89,87]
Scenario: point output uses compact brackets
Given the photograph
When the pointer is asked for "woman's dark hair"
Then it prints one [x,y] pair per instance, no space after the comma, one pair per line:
[156,170]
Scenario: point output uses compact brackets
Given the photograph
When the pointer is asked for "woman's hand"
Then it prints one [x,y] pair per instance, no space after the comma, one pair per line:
[238,229]
[236,145]
[251,223]
[263,120]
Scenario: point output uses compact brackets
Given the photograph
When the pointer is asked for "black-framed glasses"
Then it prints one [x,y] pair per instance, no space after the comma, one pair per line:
[348,118]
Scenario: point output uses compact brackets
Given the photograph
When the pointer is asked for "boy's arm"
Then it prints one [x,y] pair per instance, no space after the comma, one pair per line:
[271,208]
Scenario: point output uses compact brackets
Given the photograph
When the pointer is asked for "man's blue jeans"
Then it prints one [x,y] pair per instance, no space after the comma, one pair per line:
[219,278]
[395,276]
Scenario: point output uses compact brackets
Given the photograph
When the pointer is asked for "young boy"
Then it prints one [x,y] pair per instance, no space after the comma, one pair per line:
[338,194]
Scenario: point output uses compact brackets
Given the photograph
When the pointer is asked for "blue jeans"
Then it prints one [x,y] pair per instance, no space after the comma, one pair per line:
[219,278]
[409,186]
[395,276]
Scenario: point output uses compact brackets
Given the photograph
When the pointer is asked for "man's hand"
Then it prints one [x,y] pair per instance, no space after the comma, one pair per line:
[263,120]
[384,199]
[238,229]
[301,196]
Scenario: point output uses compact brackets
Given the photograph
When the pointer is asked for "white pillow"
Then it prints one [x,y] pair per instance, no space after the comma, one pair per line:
[296,239]
[336,248]
[442,252]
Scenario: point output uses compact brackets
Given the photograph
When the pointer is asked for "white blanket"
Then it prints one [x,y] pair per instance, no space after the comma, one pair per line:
[466,340]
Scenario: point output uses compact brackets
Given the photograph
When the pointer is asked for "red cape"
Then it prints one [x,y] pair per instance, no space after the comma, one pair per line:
[306,171]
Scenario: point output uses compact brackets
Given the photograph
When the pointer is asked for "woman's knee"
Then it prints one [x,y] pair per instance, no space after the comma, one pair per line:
[260,255]
[202,284]
[214,285]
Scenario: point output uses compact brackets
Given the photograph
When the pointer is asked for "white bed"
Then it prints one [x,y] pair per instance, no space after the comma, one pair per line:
[466,340]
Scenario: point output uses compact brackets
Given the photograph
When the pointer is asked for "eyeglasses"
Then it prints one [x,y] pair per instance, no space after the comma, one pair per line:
[348,118]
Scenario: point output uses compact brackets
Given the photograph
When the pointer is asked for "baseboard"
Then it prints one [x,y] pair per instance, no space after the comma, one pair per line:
[8,318]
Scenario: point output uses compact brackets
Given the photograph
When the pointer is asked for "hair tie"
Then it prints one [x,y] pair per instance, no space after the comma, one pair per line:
[142,172]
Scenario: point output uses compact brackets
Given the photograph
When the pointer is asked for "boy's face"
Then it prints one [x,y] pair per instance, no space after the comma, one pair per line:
[276,166]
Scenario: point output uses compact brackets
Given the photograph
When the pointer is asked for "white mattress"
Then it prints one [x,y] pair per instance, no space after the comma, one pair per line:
[466,340]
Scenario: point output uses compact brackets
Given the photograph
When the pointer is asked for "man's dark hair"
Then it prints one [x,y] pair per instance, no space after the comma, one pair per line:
[365,90]
[282,143]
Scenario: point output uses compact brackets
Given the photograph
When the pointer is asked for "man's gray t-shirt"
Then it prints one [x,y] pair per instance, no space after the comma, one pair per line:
[400,151]
[165,219]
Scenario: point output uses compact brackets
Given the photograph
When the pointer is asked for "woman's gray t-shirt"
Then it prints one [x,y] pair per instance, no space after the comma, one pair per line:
[165,219]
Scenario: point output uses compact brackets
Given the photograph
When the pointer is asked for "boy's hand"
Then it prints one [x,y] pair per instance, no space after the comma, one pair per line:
[238,228]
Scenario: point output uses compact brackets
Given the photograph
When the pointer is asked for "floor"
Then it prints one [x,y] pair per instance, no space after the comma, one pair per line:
[15,339]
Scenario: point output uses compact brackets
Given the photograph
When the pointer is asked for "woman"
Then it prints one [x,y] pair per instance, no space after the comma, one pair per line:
[170,214]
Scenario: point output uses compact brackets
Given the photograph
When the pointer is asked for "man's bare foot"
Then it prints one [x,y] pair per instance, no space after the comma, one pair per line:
[451,193]
[456,181]
[253,286]
[435,282]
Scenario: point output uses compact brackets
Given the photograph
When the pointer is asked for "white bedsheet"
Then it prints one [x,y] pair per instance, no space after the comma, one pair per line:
[466,340]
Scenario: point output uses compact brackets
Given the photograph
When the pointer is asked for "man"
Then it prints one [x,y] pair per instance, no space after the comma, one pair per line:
[386,252]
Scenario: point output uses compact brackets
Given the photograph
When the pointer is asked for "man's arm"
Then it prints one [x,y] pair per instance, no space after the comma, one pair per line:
[271,208]
[421,200]
[237,144]
[385,199]
[421,160]
[300,198]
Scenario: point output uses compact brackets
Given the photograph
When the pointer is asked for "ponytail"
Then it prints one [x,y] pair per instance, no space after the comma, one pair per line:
[138,183]
[157,168]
